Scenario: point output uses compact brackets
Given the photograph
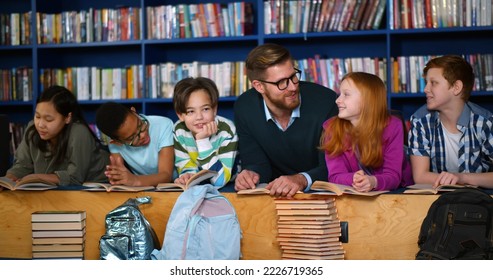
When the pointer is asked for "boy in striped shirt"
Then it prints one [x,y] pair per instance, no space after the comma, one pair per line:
[202,140]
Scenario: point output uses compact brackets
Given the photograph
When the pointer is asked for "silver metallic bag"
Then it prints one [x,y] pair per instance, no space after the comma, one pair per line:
[129,236]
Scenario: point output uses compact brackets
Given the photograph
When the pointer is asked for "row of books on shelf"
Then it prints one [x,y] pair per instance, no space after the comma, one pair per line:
[93,25]
[15,29]
[407,72]
[16,84]
[413,14]
[304,16]
[159,80]
[309,229]
[58,234]
[200,20]
[94,83]
[329,71]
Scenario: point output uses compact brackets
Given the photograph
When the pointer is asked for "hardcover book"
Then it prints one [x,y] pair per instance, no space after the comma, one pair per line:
[322,187]
[59,240]
[196,179]
[58,225]
[58,216]
[59,233]
[57,255]
[31,184]
[57,247]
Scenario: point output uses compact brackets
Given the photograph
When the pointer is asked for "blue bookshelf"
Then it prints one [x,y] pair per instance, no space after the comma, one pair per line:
[384,42]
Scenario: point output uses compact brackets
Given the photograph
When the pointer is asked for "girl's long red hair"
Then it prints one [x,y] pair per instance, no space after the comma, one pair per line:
[340,135]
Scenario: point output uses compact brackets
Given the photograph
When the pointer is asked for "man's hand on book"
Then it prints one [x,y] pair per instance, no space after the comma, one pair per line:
[247,179]
[287,186]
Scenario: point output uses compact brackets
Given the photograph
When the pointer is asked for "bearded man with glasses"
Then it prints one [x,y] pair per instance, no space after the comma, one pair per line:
[141,147]
[279,124]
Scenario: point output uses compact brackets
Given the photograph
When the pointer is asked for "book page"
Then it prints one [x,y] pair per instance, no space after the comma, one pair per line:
[327,188]
[194,180]
[428,188]
[6,183]
[96,186]
[34,184]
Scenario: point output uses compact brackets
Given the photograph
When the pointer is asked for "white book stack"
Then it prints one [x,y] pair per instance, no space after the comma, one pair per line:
[58,234]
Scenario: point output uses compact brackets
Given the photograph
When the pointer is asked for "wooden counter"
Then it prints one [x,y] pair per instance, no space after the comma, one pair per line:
[383,227]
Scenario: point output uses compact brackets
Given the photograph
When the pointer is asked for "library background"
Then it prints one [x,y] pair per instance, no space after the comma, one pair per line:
[134,52]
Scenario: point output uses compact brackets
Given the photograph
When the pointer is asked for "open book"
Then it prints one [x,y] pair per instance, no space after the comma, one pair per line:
[196,179]
[259,189]
[101,187]
[428,188]
[31,184]
[322,187]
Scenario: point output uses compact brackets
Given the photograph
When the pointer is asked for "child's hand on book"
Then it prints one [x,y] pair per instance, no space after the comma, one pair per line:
[118,174]
[363,182]
[446,178]
[183,179]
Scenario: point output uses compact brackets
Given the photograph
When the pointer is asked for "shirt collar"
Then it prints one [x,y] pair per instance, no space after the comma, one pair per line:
[294,114]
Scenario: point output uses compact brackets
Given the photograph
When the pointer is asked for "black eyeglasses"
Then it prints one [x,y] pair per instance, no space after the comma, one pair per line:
[283,84]
[141,127]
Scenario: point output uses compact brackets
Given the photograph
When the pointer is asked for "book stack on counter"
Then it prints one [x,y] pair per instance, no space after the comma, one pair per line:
[309,229]
[58,234]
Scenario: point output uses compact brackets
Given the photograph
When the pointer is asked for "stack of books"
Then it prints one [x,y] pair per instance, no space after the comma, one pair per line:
[58,234]
[309,229]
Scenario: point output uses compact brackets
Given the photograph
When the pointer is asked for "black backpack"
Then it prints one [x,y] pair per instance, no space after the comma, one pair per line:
[458,226]
[129,236]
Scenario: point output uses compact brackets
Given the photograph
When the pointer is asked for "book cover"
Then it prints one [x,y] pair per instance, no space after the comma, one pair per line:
[308,217]
[307,222]
[308,240]
[57,247]
[324,231]
[58,233]
[321,201]
[429,189]
[31,184]
[286,256]
[58,225]
[306,212]
[96,186]
[58,216]
[322,187]
[305,206]
[196,179]
[317,248]
[59,240]
[56,255]
[331,224]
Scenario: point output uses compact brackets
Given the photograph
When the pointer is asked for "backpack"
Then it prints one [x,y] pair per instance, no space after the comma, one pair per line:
[458,226]
[202,226]
[128,236]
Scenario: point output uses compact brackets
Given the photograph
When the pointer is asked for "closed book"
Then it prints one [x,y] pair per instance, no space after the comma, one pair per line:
[58,225]
[335,224]
[59,240]
[324,231]
[59,233]
[58,247]
[307,212]
[58,216]
[57,255]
